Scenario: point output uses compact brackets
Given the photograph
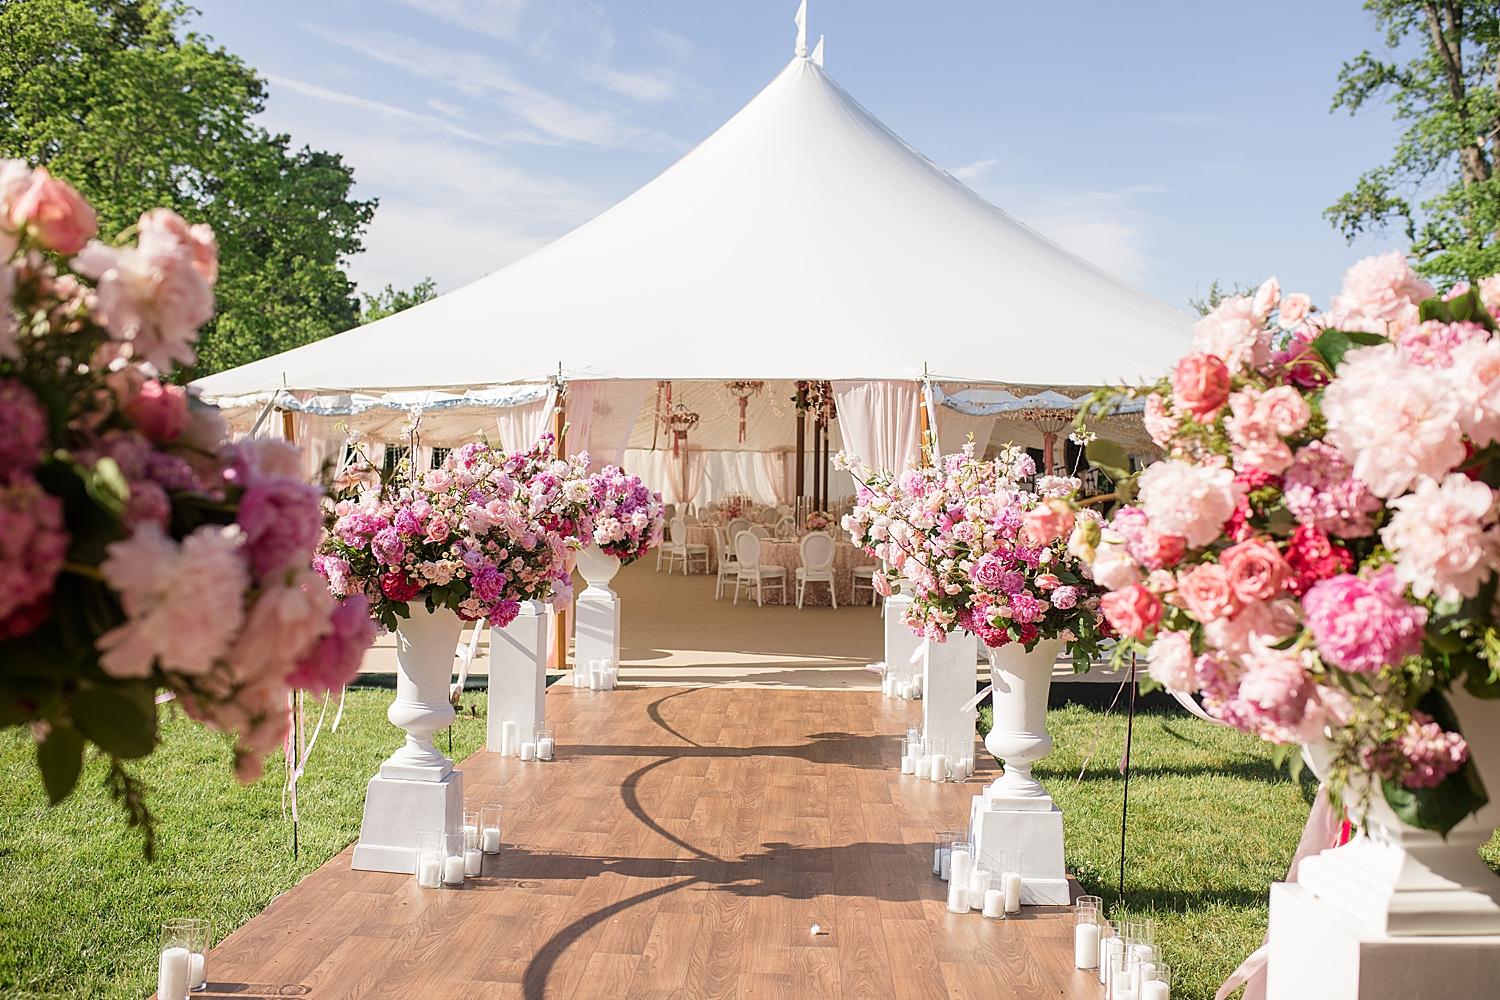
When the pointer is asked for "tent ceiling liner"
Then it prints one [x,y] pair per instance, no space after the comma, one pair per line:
[803,239]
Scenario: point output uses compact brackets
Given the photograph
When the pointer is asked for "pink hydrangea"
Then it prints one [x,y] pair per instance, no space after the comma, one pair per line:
[24,440]
[1320,490]
[282,522]
[1431,344]
[1422,756]
[1444,537]
[1362,625]
[183,603]
[33,543]
[1380,295]
[388,547]
[1194,501]
[336,659]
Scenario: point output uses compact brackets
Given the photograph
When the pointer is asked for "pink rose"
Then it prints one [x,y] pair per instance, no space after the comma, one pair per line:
[1207,593]
[160,411]
[1259,422]
[1235,334]
[437,530]
[56,213]
[1255,570]
[438,480]
[1170,661]
[1132,611]
[1157,549]
[1200,386]
[1266,297]
[988,571]
[1049,522]
[1294,309]
[1160,423]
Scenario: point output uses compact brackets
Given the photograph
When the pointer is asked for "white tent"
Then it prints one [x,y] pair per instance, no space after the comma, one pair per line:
[802,240]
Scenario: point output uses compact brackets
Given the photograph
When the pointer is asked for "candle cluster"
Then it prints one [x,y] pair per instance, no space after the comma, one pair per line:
[1123,952]
[932,759]
[901,680]
[599,675]
[526,742]
[182,963]
[977,881]
[448,859]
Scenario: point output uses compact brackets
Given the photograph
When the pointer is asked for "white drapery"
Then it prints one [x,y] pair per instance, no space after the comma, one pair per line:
[685,475]
[777,466]
[602,415]
[879,421]
[954,429]
[520,426]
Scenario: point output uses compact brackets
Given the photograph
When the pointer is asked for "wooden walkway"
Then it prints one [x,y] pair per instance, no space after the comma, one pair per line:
[682,846]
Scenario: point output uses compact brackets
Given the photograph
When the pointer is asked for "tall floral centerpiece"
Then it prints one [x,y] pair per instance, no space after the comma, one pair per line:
[140,551]
[1315,554]
[628,518]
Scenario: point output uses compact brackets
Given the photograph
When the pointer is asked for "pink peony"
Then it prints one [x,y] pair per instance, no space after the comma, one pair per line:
[1170,661]
[25,439]
[1444,537]
[159,411]
[33,544]
[336,659]
[1161,424]
[1431,344]
[1132,611]
[1112,566]
[1259,422]
[388,547]
[337,571]
[503,613]
[283,626]
[1207,592]
[1363,625]
[1266,298]
[1257,622]
[988,571]
[1273,695]
[157,294]
[1475,380]
[55,213]
[1190,500]
[1200,386]
[1392,421]
[282,521]
[1049,522]
[1026,608]
[1381,291]
[1255,570]
[183,602]
[1234,334]
[1320,491]
[1065,597]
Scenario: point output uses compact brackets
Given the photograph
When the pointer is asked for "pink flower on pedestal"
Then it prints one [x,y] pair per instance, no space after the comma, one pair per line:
[1170,661]
[1363,625]
[1444,537]
[55,213]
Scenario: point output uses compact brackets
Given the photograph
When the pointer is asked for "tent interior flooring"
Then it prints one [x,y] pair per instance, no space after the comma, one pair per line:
[684,844]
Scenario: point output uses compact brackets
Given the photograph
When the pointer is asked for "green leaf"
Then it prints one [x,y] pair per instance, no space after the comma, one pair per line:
[116,718]
[1109,457]
[1334,344]
[60,759]
[1441,808]
[107,485]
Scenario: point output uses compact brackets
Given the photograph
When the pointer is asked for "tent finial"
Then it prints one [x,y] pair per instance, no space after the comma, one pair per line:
[801,21]
[817,52]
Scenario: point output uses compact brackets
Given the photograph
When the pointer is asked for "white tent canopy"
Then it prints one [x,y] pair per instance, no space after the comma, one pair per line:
[802,240]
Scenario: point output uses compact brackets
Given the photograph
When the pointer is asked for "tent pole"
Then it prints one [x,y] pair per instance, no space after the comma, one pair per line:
[826,469]
[801,439]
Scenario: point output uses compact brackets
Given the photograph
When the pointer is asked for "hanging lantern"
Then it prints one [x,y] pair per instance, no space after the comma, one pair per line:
[680,420]
[743,390]
[1049,421]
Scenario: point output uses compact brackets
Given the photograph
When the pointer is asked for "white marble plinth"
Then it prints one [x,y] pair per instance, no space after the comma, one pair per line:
[518,672]
[596,626]
[1038,835]
[396,811]
[950,682]
[1320,952]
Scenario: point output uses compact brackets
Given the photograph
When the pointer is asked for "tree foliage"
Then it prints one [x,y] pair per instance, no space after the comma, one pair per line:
[1448,96]
[390,301]
[119,98]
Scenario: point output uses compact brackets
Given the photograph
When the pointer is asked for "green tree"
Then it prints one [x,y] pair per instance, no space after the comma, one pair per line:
[1449,97]
[385,303]
[118,97]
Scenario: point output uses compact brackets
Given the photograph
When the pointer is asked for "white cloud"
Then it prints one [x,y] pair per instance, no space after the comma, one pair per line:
[972,170]
[443,107]
[496,18]
[313,90]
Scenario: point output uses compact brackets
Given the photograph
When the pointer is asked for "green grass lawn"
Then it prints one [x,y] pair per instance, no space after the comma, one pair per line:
[1211,826]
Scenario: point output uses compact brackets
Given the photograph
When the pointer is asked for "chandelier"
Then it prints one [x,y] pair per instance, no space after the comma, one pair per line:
[743,390]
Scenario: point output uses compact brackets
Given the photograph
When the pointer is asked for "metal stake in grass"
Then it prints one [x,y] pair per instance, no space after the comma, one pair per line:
[1125,770]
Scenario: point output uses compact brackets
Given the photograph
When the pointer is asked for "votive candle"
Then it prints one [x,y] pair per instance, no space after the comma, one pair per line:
[545,748]
[1108,949]
[172,974]
[453,870]
[906,764]
[429,873]
[528,750]
[490,840]
[994,904]
[958,895]
[473,860]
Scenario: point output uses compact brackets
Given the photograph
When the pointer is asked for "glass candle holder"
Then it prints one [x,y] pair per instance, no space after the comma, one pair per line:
[527,750]
[992,904]
[1122,971]
[546,744]
[453,860]
[609,675]
[1085,934]
[581,673]
[489,828]
[960,868]
[1008,864]
[510,736]
[471,827]
[182,960]
[937,760]
[979,884]
[1156,983]
[1110,945]
[431,851]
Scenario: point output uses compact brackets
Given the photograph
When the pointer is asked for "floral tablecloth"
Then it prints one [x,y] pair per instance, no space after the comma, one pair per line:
[787,553]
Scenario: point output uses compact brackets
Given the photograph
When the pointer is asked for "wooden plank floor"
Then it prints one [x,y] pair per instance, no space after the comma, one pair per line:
[681,847]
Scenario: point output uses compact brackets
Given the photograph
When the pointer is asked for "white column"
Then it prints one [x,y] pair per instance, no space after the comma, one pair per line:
[900,642]
[596,615]
[952,673]
[518,672]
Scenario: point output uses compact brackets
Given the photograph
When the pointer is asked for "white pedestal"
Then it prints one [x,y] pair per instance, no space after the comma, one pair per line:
[1320,952]
[396,810]
[596,626]
[1037,835]
[950,682]
[518,672]
[901,644]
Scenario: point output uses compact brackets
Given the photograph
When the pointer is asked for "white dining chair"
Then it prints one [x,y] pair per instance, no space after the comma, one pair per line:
[817,565]
[680,548]
[692,521]
[760,531]
[747,547]
[735,526]
[786,528]
[864,579]
[729,565]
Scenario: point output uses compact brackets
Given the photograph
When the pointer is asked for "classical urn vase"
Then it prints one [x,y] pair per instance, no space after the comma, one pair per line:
[1404,881]
[425,645]
[1018,736]
[598,568]
[596,622]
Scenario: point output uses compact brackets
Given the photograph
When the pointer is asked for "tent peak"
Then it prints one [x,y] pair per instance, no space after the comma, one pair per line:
[801,22]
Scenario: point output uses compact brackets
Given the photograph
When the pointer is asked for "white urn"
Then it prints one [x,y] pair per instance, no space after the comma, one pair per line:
[425,645]
[597,567]
[1018,735]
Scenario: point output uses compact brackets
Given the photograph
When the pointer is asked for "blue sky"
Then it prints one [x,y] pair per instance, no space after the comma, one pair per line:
[1170,142]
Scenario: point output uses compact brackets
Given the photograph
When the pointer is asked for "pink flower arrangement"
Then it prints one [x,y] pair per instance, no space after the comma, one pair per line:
[139,550]
[628,518]
[1319,543]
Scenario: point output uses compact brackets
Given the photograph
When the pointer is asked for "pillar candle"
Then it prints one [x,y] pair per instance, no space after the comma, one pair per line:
[545,748]
[939,766]
[453,870]
[994,904]
[1108,949]
[960,867]
[979,883]
[958,895]
[172,974]
[528,750]
[906,764]
[904,690]
[1144,973]
[473,861]
[594,677]
[1011,883]
[945,863]
[1155,989]
[1086,946]
[490,840]
[429,874]
[197,974]
[509,733]
[471,835]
